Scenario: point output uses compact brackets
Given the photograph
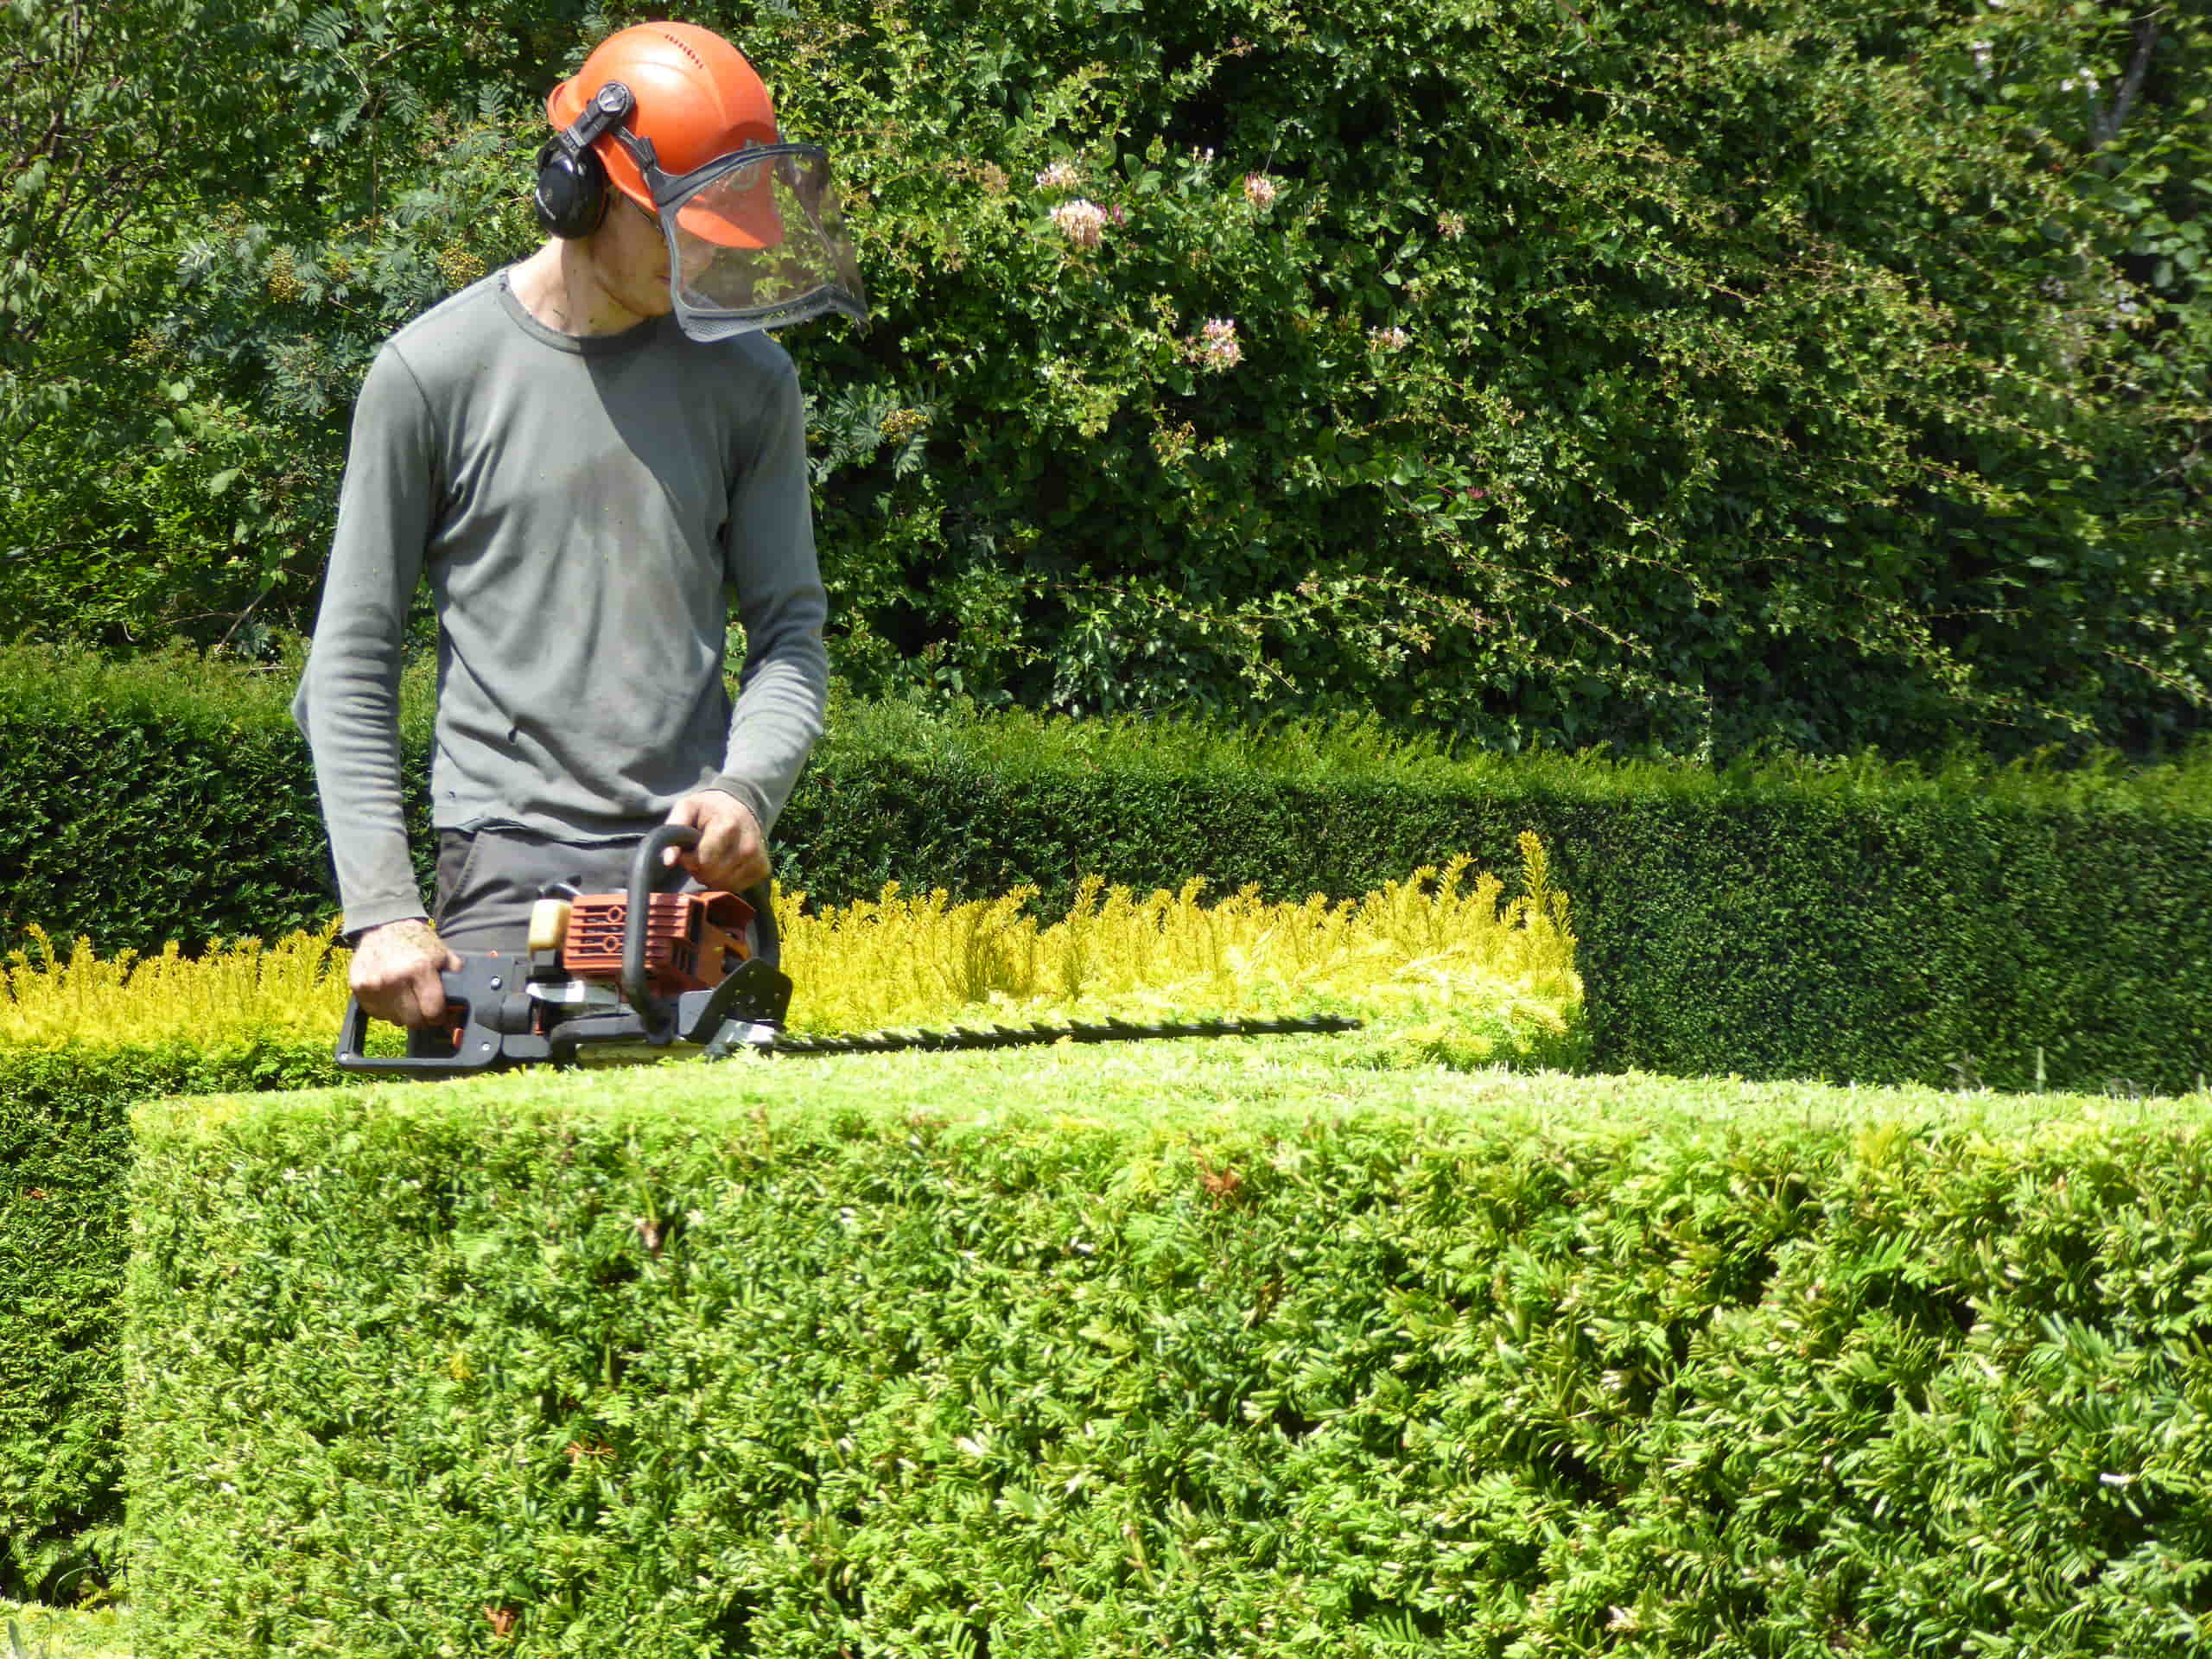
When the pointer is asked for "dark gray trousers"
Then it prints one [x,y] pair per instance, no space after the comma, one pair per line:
[488,879]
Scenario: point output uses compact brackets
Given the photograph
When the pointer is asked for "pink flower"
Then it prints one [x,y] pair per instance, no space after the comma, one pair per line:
[1218,347]
[1260,190]
[1080,221]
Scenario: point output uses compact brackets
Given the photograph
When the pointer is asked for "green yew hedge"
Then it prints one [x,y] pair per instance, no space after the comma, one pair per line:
[1852,921]
[1058,1356]
[65,1163]
[1866,921]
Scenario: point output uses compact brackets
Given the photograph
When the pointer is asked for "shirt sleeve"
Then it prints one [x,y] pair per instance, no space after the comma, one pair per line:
[348,706]
[783,690]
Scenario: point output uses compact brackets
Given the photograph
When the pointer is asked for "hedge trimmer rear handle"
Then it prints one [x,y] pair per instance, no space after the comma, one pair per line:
[496,1024]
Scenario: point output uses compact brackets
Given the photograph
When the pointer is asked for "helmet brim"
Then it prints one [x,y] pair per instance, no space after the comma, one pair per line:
[748,219]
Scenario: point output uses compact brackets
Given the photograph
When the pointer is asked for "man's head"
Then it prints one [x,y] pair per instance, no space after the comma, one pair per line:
[691,98]
[666,129]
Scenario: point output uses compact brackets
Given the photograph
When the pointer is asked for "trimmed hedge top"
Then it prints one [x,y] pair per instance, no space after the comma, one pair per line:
[1219,1095]
[1199,1351]
[215,698]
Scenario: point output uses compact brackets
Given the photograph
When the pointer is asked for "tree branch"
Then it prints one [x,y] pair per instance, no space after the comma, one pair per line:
[2104,126]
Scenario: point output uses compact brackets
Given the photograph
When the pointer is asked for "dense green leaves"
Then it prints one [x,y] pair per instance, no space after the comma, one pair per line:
[227,205]
[1204,1354]
[1850,921]
[65,1157]
[1684,376]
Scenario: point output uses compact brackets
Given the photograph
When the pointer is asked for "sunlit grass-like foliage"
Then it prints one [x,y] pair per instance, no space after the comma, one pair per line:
[295,986]
[1443,965]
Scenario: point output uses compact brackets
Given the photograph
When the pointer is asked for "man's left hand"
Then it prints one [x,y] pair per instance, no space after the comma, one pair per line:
[732,854]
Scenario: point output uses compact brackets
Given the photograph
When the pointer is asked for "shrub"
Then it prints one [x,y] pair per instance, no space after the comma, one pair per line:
[1854,920]
[1072,1353]
[65,1157]
[1825,372]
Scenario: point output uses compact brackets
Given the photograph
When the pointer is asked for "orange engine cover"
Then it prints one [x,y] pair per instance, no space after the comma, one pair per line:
[692,939]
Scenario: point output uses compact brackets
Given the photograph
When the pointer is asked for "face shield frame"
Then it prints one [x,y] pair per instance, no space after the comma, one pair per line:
[790,184]
[803,172]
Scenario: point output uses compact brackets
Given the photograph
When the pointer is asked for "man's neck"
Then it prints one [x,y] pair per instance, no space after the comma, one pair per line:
[560,286]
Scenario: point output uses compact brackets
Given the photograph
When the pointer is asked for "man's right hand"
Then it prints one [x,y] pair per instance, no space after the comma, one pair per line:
[395,970]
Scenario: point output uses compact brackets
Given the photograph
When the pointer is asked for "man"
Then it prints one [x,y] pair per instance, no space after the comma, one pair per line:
[585,452]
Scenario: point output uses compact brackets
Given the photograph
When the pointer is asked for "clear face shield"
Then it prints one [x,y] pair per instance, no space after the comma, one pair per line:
[755,240]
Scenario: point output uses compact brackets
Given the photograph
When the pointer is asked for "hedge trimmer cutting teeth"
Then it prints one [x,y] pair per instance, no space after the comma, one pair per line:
[646,969]
[1111,1031]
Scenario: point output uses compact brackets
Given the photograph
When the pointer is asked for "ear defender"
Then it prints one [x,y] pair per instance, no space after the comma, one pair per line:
[570,195]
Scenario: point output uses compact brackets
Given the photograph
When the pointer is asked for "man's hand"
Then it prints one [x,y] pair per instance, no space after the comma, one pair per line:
[732,855]
[395,970]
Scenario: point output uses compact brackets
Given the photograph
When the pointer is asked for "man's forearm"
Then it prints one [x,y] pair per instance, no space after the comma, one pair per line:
[348,703]
[349,714]
[775,725]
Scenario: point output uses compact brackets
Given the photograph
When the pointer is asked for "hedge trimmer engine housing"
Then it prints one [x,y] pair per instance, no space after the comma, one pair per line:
[692,939]
[645,970]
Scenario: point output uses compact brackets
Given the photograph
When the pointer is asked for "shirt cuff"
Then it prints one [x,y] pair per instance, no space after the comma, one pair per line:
[359,921]
[754,798]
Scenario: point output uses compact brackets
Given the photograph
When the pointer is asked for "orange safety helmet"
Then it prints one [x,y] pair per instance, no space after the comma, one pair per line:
[696,100]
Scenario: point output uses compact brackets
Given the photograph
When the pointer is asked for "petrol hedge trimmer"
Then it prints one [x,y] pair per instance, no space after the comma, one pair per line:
[698,972]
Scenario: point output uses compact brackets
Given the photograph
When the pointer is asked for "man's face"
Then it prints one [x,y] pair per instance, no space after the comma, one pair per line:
[630,256]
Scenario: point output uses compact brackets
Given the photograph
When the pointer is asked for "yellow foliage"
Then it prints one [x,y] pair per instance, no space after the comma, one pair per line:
[896,958]
[1442,962]
[1450,966]
[295,986]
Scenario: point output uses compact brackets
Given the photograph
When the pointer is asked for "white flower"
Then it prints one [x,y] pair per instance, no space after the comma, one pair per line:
[1260,190]
[1218,346]
[1060,175]
[1392,338]
[1082,222]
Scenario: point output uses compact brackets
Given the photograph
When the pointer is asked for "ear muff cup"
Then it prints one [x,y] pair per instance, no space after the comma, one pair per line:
[571,191]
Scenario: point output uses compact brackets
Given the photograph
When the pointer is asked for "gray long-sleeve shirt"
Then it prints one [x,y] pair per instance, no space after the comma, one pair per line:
[583,506]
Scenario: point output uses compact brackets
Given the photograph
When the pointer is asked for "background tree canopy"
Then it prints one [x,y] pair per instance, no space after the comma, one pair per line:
[1686,375]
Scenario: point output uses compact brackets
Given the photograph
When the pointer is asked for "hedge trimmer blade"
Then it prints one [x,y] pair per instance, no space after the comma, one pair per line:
[636,970]
[1035,1036]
